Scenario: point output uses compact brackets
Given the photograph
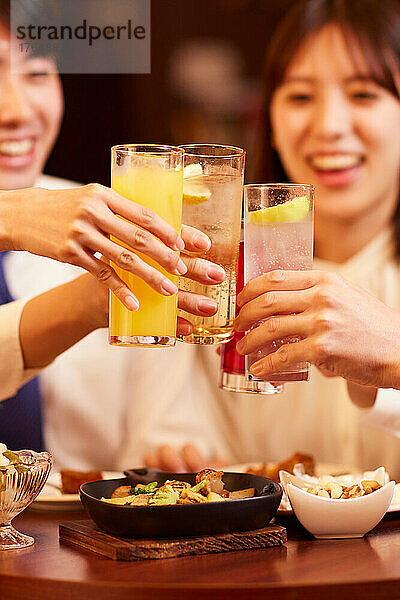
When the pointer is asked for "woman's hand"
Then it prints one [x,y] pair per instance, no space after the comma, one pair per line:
[94,293]
[72,225]
[200,270]
[343,330]
[180,460]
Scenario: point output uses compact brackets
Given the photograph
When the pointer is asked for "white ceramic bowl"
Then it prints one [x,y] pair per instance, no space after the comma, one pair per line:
[327,518]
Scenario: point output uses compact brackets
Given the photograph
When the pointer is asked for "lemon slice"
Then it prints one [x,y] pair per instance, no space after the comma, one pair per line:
[192,171]
[195,193]
[292,210]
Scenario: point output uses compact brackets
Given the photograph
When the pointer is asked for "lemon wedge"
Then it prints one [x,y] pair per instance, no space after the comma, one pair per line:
[195,193]
[292,210]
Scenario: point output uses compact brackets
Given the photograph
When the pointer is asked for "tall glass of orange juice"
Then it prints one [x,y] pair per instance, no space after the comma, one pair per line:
[150,175]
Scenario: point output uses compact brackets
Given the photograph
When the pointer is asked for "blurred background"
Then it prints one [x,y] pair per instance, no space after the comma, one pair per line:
[204,86]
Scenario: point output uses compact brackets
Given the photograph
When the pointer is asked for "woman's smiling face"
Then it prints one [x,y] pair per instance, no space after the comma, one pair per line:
[31,107]
[335,127]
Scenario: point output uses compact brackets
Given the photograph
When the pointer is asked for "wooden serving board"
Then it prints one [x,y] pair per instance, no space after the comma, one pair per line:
[86,535]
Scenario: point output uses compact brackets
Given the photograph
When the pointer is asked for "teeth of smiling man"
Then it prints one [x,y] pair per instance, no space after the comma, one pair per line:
[335,162]
[16,147]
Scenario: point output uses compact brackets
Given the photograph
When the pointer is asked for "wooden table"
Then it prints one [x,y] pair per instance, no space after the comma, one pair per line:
[304,569]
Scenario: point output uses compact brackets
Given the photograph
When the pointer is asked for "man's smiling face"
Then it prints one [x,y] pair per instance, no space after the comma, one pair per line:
[31,108]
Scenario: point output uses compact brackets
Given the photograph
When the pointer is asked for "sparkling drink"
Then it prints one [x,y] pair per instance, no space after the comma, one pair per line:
[278,235]
[211,217]
[151,176]
[212,197]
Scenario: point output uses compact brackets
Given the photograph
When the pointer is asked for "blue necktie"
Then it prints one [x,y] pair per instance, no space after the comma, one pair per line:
[21,415]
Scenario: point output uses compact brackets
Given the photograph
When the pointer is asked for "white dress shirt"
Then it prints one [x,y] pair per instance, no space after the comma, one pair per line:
[12,372]
[385,413]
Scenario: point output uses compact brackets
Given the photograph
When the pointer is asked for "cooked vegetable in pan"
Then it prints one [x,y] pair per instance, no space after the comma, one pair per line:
[209,488]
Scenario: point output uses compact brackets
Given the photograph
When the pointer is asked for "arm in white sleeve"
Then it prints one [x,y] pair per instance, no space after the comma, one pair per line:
[12,372]
[385,413]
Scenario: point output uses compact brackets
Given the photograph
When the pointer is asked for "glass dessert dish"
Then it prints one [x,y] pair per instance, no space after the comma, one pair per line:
[20,482]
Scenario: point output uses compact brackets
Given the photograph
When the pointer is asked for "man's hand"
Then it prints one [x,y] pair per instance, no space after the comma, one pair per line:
[343,330]
[73,225]
[180,460]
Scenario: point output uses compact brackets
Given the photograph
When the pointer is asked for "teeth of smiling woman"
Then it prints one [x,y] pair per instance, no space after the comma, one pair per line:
[16,147]
[335,162]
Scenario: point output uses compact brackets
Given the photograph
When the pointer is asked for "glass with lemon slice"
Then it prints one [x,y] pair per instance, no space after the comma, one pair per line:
[212,202]
[150,175]
[278,235]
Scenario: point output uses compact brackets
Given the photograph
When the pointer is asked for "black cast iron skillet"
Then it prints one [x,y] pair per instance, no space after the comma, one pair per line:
[181,520]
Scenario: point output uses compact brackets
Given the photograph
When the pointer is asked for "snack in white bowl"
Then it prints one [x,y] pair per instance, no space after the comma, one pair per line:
[328,517]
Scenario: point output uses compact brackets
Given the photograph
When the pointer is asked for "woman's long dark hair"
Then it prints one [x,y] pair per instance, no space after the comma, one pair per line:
[373,24]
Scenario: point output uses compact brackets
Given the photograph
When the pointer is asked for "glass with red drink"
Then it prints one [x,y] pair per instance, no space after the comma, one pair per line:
[232,373]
